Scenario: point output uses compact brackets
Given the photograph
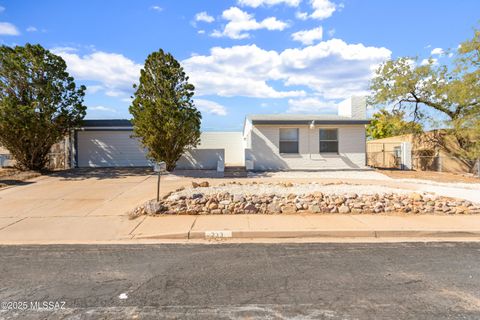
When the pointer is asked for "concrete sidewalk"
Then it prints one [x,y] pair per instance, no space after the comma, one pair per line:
[303,226]
[101,229]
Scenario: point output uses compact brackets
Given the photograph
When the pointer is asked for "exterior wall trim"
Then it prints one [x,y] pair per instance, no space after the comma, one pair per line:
[308,122]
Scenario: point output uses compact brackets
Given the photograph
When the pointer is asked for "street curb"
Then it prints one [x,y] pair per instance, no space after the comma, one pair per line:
[291,234]
[428,233]
[323,234]
[172,236]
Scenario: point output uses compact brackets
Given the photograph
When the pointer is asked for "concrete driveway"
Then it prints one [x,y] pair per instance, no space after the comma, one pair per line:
[82,204]
[79,193]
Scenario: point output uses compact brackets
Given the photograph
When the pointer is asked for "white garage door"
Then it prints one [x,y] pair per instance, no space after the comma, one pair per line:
[109,149]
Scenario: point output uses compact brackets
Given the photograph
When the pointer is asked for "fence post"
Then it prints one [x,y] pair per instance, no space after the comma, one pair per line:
[383,154]
[478,167]
[406,155]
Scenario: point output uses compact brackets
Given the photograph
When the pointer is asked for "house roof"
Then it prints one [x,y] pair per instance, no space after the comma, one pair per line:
[106,123]
[303,119]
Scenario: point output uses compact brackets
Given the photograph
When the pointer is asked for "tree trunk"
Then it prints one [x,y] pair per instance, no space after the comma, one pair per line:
[170,166]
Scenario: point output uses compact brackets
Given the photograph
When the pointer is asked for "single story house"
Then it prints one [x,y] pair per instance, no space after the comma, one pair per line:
[308,142]
[268,142]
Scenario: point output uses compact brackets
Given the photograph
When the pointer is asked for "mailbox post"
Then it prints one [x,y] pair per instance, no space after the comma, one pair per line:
[159,167]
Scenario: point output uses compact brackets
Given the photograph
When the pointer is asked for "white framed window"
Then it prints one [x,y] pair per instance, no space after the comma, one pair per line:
[288,140]
[328,140]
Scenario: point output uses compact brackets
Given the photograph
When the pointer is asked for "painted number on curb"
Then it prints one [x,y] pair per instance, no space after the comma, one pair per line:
[218,234]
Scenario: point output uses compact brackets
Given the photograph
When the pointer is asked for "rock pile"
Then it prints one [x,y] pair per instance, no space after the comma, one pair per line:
[317,202]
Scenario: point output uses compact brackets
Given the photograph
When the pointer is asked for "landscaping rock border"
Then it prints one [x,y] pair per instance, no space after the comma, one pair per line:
[316,202]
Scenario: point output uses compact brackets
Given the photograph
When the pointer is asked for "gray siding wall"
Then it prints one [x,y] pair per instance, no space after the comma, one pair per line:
[109,149]
[263,149]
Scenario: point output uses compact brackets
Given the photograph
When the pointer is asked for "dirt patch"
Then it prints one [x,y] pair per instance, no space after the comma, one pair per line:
[430,175]
[10,176]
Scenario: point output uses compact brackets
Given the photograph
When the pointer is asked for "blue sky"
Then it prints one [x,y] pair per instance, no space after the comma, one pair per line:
[243,56]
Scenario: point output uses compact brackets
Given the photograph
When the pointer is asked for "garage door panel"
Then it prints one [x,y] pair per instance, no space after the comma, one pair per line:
[109,149]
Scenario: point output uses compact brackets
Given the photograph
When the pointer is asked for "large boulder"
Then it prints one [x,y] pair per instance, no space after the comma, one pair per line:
[289,208]
[343,209]
[154,207]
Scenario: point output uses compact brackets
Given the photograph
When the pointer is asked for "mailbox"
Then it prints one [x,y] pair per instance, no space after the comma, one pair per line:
[160,167]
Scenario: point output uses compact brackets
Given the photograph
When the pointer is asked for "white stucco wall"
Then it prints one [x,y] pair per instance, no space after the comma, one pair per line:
[213,147]
[264,149]
[231,142]
[204,159]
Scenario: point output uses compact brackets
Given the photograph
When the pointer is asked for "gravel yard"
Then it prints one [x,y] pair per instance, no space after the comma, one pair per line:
[281,189]
[347,175]
[431,176]
[289,198]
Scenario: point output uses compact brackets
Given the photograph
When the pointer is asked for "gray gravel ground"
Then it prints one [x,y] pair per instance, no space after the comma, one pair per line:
[278,189]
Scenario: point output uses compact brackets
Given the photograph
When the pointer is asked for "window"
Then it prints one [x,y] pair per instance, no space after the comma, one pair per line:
[328,140]
[289,140]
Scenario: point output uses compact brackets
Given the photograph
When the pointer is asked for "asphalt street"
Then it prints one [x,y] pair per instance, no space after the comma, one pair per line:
[232,281]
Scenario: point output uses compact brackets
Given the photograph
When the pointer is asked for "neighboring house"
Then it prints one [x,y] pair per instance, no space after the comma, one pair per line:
[58,158]
[268,142]
[431,151]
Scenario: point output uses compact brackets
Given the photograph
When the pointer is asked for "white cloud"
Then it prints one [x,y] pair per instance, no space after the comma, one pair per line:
[437,51]
[201,31]
[311,105]
[431,61]
[156,8]
[102,108]
[8,29]
[94,88]
[333,68]
[331,32]
[330,69]
[212,107]
[240,21]
[114,72]
[308,37]
[322,9]
[64,49]
[203,16]
[236,71]
[32,29]
[301,15]
[258,3]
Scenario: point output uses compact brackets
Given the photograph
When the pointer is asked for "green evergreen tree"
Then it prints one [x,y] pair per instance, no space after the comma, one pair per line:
[164,116]
[39,103]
